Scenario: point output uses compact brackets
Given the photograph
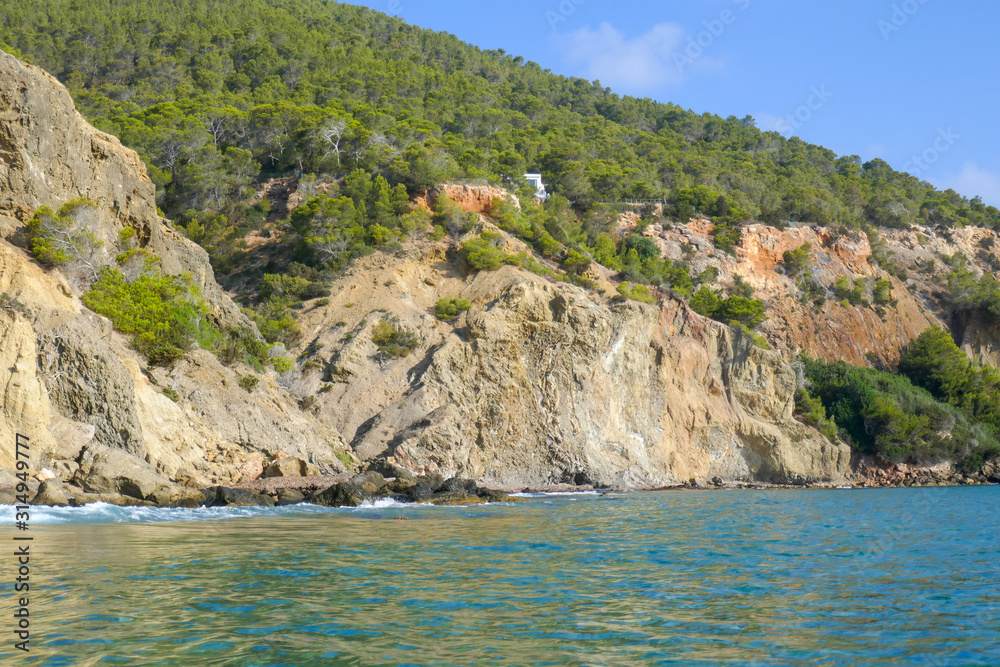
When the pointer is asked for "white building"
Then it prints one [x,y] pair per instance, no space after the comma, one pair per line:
[536,180]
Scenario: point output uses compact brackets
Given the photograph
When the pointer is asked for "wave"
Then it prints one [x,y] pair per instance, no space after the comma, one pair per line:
[107,513]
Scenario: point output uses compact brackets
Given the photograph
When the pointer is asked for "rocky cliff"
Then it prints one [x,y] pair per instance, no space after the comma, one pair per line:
[537,383]
[68,380]
[544,383]
[833,330]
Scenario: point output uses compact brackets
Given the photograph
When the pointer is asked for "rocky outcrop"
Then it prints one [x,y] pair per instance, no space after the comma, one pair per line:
[826,328]
[542,384]
[469,198]
[50,155]
[89,403]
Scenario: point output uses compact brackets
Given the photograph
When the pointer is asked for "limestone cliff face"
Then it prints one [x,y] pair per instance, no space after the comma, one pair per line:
[833,331]
[68,380]
[50,155]
[544,383]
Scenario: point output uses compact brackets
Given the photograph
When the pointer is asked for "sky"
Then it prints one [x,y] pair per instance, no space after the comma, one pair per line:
[914,82]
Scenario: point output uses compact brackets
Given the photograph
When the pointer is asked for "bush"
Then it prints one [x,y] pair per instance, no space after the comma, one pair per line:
[798,261]
[393,340]
[64,237]
[882,293]
[886,415]
[844,290]
[172,394]
[163,314]
[933,361]
[483,254]
[450,307]
[737,311]
[810,410]
[249,383]
[639,293]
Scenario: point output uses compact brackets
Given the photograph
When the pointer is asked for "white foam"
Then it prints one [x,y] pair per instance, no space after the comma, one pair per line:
[547,494]
[106,513]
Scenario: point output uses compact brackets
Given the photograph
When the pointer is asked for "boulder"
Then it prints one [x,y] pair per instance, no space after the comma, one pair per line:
[177,496]
[433,480]
[400,485]
[343,494]
[387,470]
[419,492]
[991,471]
[223,496]
[455,498]
[52,494]
[372,478]
[290,497]
[458,485]
[291,466]
[81,499]
[491,496]
[107,470]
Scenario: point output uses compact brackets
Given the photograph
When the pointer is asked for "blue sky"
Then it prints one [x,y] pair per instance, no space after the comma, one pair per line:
[914,82]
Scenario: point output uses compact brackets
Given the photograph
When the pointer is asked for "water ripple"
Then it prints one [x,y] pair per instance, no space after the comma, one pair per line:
[895,577]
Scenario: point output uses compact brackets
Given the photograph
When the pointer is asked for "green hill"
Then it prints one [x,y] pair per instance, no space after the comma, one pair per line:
[213,93]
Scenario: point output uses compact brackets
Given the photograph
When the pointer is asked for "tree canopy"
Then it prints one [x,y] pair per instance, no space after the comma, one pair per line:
[214,94]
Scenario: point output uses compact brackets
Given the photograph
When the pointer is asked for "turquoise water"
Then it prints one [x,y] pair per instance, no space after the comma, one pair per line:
[882,577]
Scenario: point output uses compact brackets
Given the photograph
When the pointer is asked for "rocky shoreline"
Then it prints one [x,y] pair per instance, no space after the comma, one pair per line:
[371,486]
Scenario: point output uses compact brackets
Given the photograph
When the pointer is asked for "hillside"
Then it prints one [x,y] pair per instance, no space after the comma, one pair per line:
[355,182]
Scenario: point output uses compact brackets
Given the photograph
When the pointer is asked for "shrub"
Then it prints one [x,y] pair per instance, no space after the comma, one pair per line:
[810,410]
[163,314]
[799,260]
[736,311]
[64,237]
[844,290]
[886,415]
[249,383]
[882,293]
[393,340]
[482,252]
[933,361]
[639,293]
[450,307]
[172,394]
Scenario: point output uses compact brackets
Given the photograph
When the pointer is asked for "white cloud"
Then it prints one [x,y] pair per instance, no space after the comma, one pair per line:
[973,181]
[641,64]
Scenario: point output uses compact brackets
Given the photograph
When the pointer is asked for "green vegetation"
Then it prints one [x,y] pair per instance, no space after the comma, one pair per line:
[450,307]
[217,96]
[163,314]
[850,293]
[64,237]
[639,293]
[483,252]
[933,361]
[882,414]
[798,261]
[810,410]
[969,293]
[172,394]
[737,311]
[393,340]
[249,383]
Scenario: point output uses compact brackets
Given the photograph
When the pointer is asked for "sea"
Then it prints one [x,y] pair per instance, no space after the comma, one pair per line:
[740,577]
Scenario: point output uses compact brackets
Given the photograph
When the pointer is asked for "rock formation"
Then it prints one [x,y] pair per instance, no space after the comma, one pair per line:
[68,380]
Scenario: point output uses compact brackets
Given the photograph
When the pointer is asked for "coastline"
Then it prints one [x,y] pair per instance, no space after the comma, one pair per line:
[345,491]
